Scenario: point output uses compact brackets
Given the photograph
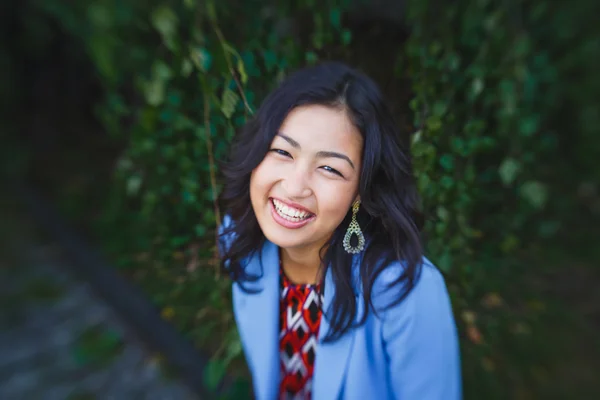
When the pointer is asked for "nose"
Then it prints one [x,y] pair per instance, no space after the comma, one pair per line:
[296,183]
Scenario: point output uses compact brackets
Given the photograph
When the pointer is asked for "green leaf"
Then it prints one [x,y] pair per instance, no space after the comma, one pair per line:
[166,115]
[100,16]
[433,123]
[459,146]
[529,126]
[210,10]
[447,182]
[201,58]
[200,133]
[179,241]
[147,118]
[535,192]
[117,104]
[214,373]
[522,46]
[182,122]
[165,21]
[174,98]
[188,197]
[233,350]
[239,390]
[242,70]
[311,57]
[346,37]
[508,170]
[445,261]
[317,40]
[186,68]
[509,244]
[549,228]
[434,48]
[440,228]
[447,161]
[154,92]
[209,217]
[453,61]
[440,108]
[477,86]
[101,50]
[414,104]
[200,230]
[335,17]
[423,182]
[133,184]
[508,93]
[229,101]
[416,137]
[270,60]
[423,148]
[161,71]
[442,213]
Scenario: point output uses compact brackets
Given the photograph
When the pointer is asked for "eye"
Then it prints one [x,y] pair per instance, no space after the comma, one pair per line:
[281,152]
[331,170]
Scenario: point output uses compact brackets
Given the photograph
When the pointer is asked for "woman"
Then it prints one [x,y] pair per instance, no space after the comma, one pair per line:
[332,295]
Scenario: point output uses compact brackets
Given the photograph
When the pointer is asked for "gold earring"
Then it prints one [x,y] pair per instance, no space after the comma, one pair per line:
[354,228]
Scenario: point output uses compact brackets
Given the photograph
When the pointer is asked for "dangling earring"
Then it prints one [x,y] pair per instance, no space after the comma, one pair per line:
[353,228]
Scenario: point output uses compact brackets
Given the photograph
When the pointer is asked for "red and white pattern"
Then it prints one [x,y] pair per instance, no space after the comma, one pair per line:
[300,317]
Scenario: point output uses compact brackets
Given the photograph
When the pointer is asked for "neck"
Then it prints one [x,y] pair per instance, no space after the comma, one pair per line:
[302,266]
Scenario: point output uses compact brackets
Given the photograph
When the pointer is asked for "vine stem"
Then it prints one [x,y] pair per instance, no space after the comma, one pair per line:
[213,177]
[227,49]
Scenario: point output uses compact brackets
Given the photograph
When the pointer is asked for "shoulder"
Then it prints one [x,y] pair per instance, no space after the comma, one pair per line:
[428,273]
[428,294]
[419,337]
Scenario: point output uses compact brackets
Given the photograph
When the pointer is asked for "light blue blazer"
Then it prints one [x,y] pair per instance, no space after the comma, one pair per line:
[409,352]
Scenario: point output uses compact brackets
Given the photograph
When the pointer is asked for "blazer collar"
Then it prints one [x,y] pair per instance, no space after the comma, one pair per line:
[331,358]
[257,316]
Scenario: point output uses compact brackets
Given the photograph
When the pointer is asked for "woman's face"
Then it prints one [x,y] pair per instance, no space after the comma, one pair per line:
[308,180]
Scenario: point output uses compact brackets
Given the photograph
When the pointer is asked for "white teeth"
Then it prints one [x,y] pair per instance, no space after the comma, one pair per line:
[289,213]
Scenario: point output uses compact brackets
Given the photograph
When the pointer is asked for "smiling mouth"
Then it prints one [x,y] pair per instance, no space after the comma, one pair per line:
[289,213]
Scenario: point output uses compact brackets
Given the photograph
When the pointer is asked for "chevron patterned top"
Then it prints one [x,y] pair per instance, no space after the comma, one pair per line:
[300,317]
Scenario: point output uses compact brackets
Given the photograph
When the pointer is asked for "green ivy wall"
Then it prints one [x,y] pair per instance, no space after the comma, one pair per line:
[498,98]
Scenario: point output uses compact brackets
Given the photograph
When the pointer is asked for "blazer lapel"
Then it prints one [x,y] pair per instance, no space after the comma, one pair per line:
[258,320]
[331,359]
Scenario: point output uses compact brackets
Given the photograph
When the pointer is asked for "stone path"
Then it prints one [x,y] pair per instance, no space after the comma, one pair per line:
[58,340]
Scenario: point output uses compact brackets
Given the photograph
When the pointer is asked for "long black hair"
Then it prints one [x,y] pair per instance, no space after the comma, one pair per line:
[389,215]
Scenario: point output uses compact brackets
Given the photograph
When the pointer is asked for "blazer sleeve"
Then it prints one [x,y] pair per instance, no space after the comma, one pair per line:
[421,342]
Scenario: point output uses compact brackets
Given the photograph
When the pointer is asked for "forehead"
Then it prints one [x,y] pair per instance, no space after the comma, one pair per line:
[323,128]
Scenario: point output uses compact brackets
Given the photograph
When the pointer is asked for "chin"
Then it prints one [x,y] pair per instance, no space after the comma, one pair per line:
[283,241]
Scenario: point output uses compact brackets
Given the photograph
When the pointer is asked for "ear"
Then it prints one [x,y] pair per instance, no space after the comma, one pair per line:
[357,198]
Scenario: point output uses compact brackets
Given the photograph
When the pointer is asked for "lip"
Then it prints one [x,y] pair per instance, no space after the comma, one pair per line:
[284,222]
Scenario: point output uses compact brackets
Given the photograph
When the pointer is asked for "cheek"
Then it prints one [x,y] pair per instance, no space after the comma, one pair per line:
[260,181]
[334,202]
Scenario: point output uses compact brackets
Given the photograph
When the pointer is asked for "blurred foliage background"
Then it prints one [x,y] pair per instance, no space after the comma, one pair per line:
[121,111]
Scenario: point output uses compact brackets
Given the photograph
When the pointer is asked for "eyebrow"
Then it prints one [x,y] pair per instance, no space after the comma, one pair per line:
[320,154]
